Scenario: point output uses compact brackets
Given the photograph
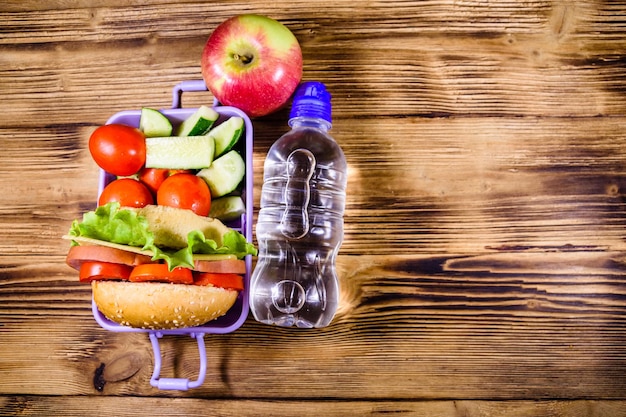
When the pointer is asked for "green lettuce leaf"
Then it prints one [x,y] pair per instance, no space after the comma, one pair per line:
[234,243]
[113,224]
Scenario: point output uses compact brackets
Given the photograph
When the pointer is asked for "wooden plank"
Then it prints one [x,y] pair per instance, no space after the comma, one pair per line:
[128,406]
[80,406]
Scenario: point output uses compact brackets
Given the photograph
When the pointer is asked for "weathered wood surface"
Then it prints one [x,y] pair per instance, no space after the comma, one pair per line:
[483,270]
[129,406]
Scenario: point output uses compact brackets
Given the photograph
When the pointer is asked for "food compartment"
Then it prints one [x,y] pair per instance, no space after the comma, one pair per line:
[235,317]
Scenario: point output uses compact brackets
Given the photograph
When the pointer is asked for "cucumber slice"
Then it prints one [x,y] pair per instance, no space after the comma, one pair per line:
[227,208]
[154,123]
[180,152]
[226,134]
[198,123]
[224,174]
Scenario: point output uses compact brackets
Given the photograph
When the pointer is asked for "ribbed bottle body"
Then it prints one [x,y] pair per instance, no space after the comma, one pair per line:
[299,230]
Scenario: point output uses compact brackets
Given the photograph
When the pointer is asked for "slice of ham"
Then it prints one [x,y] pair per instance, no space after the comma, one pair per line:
[223,266]
[83,253]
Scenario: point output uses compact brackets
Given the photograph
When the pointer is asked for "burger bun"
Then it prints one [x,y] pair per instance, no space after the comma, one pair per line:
[156,305]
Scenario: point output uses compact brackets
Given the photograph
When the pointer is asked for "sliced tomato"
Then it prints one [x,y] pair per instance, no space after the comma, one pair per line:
[161,273]
[77,255]
[226,281]
[222,266]
[90,271]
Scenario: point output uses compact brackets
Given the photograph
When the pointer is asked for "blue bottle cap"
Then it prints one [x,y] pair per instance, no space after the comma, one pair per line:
[311,99]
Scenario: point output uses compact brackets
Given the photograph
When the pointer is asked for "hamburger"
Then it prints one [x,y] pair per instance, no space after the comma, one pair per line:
[158,267]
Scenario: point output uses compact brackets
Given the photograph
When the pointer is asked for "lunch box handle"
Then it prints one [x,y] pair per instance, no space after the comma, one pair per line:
[181,384]
[189,86]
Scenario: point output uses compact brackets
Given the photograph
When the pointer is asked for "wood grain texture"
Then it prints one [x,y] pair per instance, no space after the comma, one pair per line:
[409,58]
[81,406]
[483,269]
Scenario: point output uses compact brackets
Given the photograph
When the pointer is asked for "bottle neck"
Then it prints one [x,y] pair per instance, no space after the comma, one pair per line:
[315,122]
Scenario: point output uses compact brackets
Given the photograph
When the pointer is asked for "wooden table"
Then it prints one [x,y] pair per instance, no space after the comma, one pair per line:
[483,270]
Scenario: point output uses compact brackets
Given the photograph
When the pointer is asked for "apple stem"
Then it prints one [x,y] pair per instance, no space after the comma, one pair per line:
[245,59]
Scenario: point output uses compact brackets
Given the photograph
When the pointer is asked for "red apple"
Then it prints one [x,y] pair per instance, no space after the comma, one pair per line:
[253,63]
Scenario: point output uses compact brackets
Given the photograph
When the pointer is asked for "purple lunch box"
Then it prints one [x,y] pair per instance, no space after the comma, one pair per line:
[239,312]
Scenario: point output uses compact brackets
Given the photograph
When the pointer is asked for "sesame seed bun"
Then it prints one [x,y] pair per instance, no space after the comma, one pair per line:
[155,305]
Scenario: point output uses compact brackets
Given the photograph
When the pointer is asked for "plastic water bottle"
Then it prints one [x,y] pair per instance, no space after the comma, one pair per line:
[300,224]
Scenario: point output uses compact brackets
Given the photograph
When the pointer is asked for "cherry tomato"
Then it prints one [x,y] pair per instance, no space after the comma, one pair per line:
[90,271]
[153,178]
[161,273]
[118,149]
[128,192]
[227,281]
[186,191]
[179,171]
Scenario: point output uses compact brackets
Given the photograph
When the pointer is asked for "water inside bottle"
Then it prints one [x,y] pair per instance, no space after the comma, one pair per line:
[300,223]
[299,229]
